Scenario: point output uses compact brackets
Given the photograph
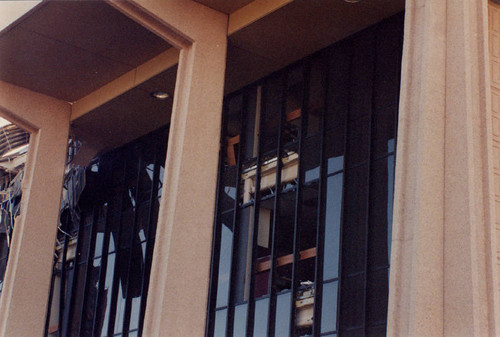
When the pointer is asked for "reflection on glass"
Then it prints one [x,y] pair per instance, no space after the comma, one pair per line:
[98,243]
[390,201]
[329,307]
[261,316]
[282,314]
[120,309]
[107,291]
[220,323]
[240,320]
[134,316]
[224,265]
[242,258]
[332,226]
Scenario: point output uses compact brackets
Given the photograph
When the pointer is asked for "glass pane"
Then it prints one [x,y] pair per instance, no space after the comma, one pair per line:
[352,302]
[108,285]
[332,226]
[249,141]
[310,158]
[135,313]
[91,299]
[228,193]
[261,317]
[240,320]
[329,307]
[242,265]
[338,90]
[381,192]
[316,100]
[226,244]
[358,143]
[383,130]
[272,92]
[282,315]
[377,294]
[355,220]
[220,323]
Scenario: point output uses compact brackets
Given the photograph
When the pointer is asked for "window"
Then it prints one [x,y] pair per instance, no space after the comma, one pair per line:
[302,233]
[102,265]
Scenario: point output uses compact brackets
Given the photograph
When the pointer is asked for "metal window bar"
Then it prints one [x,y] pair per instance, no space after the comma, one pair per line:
[104,258]
[62,291]
[298,199]
[236,213]
[255,225]
[368,177]
[128,300]
[342,215]
[214,264]
[88,271]
[321,215]
[271,323]
[116,274]
[150,238]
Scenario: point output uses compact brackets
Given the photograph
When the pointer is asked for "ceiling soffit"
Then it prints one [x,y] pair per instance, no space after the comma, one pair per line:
[67,49]
[225,6]
[296,30]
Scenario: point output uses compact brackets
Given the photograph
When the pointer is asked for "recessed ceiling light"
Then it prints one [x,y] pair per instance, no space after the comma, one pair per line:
[352,1]
[161,95]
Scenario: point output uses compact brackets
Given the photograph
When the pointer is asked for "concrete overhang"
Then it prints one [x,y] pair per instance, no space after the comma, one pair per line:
[106,65]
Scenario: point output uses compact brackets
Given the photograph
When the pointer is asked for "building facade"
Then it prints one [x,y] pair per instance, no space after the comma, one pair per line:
[255,168]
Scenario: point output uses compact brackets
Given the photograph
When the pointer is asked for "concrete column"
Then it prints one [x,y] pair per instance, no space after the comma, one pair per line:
[494,37]
[443,279]
[23,303]
[179,280]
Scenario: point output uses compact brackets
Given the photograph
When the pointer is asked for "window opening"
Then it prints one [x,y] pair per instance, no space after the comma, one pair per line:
[304,208]
[105,242]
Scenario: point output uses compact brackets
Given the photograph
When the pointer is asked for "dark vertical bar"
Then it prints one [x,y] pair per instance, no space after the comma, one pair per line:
[71,289]
[116,274]
[368,176]
[90,257]
[236,213]
[150,240]
[214,263]
[49,302]
[320,225]
[298,200]
[128,300]
[342,217]
[254,231]
[271,322]
[103,271]
[63,284]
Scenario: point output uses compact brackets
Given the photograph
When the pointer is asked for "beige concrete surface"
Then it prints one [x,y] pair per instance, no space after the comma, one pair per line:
[25,292]
[494,53]
[181,259]
[443,280]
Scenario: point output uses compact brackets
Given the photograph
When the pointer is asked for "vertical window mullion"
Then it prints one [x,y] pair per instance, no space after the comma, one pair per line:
[79,247]
[298,200]
[342,216]
[276,212]
[236,213]
[90,263]
[62,292]
[254,230]
[214,267]
[149,236]
[320,224]
[116,274]
[368,178]
[128,300]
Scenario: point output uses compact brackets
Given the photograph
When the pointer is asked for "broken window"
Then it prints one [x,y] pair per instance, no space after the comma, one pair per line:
[105,242]
[304,209]
[14,143]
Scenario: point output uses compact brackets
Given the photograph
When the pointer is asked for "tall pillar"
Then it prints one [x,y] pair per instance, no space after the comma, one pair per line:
[179,280]
[494,37]
[443,280]
[24,299]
